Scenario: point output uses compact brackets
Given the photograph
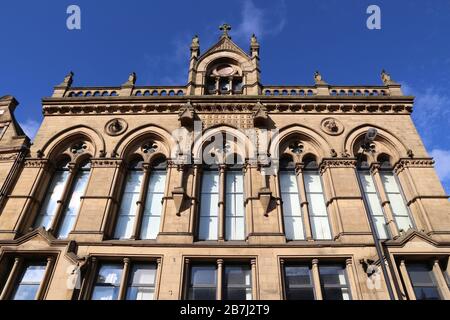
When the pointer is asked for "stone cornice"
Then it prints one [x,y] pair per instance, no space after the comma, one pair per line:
[322,107]
[337,163]
[106,163]
[413,163]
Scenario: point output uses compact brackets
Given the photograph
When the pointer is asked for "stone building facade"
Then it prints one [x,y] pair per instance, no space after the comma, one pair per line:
[222,189]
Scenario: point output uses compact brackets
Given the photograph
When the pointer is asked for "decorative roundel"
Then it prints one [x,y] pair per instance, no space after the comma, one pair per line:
[332,126]
[116,127]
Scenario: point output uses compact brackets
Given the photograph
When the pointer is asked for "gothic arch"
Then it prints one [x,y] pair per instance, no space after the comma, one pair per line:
[313,142]
[385,142]
[241,144]
[62,140]
[139,137]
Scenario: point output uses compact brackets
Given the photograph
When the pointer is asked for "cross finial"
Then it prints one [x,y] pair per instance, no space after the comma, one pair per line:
[225,28]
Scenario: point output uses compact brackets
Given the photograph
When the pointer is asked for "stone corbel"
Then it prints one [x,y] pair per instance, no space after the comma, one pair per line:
[187,116]
[260,116]
[179,196]
[265,197]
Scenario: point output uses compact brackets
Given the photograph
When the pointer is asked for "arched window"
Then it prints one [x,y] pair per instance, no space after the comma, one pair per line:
[62,203]
[301,187]
[318,215]
[394,194]
[383,198]
[222,211]
[292,212]
[140,211]
[372,200]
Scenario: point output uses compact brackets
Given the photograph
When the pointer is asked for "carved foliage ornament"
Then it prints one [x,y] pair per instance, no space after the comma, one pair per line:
[332,126]
[116,127]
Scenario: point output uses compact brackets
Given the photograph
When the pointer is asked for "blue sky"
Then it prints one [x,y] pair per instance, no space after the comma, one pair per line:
[152,38]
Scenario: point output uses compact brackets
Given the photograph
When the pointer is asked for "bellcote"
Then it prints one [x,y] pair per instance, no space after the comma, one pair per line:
[224,69]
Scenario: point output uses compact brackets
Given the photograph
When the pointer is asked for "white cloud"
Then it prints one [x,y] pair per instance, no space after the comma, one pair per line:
[30,127]
[260,21]
[442,158]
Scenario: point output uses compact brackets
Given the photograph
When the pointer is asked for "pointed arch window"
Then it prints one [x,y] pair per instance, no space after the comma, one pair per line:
[62,203]
[384,197]
[222,210]
[304,209]
[139,215]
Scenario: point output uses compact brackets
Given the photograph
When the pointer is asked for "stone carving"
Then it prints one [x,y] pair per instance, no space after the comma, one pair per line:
[149,147]
[78,148]
[297,147]
[225,28]
[131,80]
[195,42]
[318,78]
[260,116]
[332,126]
[386,78]
[116,127]
[67,80]
[187,115]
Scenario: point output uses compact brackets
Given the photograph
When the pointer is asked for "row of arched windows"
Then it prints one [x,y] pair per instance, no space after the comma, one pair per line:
[221,213]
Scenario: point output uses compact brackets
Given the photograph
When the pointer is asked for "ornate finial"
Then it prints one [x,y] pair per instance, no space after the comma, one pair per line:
[195,42]
[254,40]
[225,28]
[318,78]
[131,79]
[67,80]
[386,78]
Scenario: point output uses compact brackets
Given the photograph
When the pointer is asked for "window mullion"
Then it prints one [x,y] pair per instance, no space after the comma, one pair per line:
[222,173]
[385,204]
[61,203]
[45,279]
[9,285]
[316,279]
[141,202]
[220,282]
[124,280]
[304,207]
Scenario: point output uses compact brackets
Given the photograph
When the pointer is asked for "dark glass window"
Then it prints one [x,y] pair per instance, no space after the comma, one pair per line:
[203,282]
[107,285]
[237,283]
[334,283]
[298,283]
[423,281]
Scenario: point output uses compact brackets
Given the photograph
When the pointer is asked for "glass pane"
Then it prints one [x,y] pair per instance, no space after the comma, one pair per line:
[208,228]
[237,275]
[105,293]
[312,182]
[71,211]
[150,227]
[403,223]
[238,294]
[234,228]
[291,204]
[288,182]
[26,292]
[210,183]
[53,196]
[427,293]
[335,294]
[374,204]
[33,274]
[300,294]
[317,205]
[140,293]
[210,205]
[124,228]
[367,182]
[398,204]
[110,274]
[143,274]
[203,275]
[332,276]
[293,227]
[297,275]
[389,182]
[202,294]
[380,225]
[420,274]
[320,228]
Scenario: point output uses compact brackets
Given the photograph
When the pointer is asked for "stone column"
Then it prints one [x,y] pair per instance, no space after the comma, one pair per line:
[219,289]
[374,170]
[158,278]
[303,201]
[408,286]
[124,279]
[48,270]
[255,293]
[316,279]
[352,280]
[440,279]
[221,234]
[141,202]
[9,285]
